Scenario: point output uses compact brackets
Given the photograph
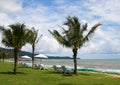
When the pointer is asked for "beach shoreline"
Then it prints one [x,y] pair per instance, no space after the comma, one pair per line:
[86,64]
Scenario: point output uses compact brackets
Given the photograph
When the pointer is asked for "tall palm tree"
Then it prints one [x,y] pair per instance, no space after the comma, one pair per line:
[15,36]
[33,40]
[74,37]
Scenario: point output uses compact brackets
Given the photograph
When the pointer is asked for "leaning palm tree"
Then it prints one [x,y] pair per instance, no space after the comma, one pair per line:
[74,37]
[15,37]
[33,40]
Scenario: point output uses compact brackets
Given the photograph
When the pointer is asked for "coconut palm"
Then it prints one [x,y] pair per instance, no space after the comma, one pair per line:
[33,40]
[15,37]
[74,37]
[3,54]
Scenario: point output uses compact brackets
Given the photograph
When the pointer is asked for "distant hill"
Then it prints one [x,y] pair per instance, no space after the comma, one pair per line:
[59,57]
[22,53]
[10,51]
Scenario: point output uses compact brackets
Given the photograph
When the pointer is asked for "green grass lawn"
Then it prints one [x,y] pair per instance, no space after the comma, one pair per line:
[29,76]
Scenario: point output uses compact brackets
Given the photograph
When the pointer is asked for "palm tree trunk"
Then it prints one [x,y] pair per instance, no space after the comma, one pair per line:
[74,59]
[16,52]
[33,49]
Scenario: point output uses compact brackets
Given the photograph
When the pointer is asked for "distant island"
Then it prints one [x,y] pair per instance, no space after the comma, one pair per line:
[22,53]
[59,57]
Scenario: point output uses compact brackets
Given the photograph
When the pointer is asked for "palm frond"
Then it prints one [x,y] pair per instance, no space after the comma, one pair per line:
[84,27]
[69,21]
[86,38]
[16,36]
[64,31]
[61,39]
[38,38]
[93,28]
[7,38]
[33,36]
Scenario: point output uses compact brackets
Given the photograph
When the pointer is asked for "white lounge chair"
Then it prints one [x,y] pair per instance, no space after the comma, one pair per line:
[41,67]
[67,70]
[57,69]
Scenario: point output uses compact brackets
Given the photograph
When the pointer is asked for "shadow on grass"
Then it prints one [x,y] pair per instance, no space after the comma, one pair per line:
[57,73]
[49,72]
[84,74]
[79,74]
[11,73]
[67,75]
[78,84]
[69,84]
[21,67]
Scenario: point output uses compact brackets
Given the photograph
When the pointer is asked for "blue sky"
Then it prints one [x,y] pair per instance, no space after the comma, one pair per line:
[48,14]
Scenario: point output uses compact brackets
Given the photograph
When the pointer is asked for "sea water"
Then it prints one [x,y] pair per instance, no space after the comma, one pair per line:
[104,65]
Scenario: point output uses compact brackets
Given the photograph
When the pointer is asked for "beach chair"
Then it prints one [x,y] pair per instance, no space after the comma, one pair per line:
[67,70]
[57,69]
[22,64]
[29,65]
[26,65]
[36,66]
[41,67]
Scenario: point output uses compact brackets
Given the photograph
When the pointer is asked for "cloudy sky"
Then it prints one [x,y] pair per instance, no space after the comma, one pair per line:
[48,14]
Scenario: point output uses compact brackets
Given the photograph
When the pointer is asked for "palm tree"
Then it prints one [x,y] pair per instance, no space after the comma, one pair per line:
[74,37]
[16,36]
[33,40]
[3,54]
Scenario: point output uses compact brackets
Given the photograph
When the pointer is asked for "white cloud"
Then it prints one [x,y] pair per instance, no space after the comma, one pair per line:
[103,42]
[10,6]
[5,20]
[49,44]
[108,10]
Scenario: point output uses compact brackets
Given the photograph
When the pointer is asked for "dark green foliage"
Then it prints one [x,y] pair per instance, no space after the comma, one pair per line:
[15,37]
